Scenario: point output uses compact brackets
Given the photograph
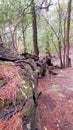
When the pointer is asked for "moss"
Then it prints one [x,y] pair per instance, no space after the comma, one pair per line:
[54,88]
[1,105]
[23,73]
[21,94]
[28,108]
[28,89]
[24,91]
[1,82]
[5,103]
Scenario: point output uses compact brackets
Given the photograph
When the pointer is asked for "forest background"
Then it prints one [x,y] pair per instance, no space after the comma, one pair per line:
[37,26]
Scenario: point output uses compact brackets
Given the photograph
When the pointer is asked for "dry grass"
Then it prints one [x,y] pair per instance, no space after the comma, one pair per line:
[9,91]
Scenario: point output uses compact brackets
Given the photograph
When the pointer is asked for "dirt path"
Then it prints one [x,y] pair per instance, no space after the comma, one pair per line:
[56,100]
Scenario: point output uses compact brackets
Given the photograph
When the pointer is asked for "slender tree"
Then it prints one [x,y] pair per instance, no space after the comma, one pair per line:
[68,60]
[47,34]
[60,34]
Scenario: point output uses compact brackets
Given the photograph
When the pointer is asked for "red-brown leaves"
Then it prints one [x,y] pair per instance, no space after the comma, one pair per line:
[14,123]
[10,74]
[9,91]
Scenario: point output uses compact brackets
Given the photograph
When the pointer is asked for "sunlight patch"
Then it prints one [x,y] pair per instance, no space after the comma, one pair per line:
[54,88]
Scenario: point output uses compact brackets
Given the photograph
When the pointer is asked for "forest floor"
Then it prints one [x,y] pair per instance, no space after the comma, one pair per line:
[55,105]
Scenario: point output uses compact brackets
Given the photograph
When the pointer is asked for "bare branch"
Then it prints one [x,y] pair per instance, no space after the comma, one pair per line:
[43,7]
[51,28]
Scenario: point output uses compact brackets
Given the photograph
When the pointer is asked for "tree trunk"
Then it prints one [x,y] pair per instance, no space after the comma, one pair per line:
[1,43]
[64,43]
[13,38]
[47,33]
[24,27]
[34,28]
[60,35]
[67,33]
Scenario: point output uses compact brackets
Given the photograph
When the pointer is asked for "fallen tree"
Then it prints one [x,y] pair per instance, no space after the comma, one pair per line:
[7,54]
[31,68]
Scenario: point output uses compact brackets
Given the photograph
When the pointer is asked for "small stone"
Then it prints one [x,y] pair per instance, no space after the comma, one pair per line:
[28,126]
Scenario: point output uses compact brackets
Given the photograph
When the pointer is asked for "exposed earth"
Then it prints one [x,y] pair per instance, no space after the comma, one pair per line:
[55,104]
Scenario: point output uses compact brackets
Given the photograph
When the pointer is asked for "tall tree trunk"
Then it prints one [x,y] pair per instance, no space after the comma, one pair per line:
[24,27]
[13,38]
[47,33]
[60,35]
[1,43]
[67,33]
[64,43]
[34,28]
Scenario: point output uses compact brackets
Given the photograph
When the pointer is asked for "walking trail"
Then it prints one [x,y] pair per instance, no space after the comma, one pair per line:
[56,101]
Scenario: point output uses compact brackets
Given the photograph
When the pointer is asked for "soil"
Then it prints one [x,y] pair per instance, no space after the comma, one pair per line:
[55,104]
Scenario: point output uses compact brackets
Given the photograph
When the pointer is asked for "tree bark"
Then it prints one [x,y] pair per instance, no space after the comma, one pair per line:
[24,27]
[67,33]
[34,28]
[60,35]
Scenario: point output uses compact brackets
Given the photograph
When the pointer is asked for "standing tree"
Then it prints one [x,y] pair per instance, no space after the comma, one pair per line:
[34,28]
[68,60]
[47,33]
[60,34]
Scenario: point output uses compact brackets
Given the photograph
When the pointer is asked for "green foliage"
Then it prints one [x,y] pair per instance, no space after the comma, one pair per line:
[16,12]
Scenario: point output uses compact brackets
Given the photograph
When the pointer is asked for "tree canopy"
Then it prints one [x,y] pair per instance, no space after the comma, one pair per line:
[16,24]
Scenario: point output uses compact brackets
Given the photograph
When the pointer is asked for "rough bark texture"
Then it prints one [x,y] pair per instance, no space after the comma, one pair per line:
[60,35]
[67,33]
[34,28]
